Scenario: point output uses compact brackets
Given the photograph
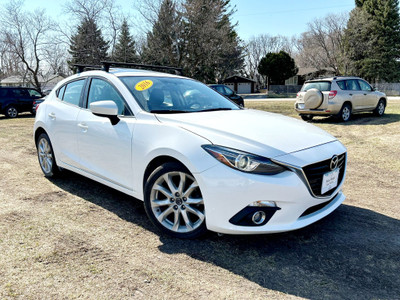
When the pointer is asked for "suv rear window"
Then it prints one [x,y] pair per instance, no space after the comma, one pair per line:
[323,86]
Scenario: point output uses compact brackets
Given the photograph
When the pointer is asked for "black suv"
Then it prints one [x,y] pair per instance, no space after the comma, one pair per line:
[14,100]
[227,92]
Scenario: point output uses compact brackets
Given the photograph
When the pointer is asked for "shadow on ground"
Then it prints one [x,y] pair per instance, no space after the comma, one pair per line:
[360,119]
[351,254]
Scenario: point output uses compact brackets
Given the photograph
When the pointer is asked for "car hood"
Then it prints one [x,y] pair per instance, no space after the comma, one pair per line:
[253,131]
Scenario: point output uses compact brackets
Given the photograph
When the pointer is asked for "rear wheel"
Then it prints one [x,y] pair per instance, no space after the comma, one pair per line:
[307,117]
[380,108]
[345,113]
[11,112]
[174,203]
[46,157]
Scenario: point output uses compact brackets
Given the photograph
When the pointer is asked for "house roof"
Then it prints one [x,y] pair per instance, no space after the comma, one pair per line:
[238,78]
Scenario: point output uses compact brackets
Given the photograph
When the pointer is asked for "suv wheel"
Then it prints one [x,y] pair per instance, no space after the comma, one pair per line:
[307,117]
[174,203]
[11,112]
[345,113]
[380,108]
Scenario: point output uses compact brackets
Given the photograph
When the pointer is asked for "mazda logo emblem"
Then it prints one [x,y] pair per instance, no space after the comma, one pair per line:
[334,162]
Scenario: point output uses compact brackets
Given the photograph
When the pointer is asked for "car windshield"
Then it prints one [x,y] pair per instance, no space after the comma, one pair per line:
[175,95]
[322,86]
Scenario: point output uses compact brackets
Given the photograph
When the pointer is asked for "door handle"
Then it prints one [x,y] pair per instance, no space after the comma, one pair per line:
[83,126]
[351,94]
[52,116]
[365,94]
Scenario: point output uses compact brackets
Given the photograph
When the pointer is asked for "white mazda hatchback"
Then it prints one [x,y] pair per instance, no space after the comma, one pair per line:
[197,160]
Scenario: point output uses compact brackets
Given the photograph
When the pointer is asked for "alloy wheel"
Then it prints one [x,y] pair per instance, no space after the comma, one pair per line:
[45,155]
[176,202]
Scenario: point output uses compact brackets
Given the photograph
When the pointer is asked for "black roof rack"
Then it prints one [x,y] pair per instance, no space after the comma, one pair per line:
[107,64]
[79,68]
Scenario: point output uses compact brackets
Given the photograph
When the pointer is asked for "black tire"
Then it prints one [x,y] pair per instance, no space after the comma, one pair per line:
[345,113]
[380,108]
[47,160]
[11,112]
[177,210]
[307,117]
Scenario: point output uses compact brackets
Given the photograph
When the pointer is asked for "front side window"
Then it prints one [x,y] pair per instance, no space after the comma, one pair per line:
[101,90]
[228,91]
[73,92]
[364,86]
[175,95]
[34,93]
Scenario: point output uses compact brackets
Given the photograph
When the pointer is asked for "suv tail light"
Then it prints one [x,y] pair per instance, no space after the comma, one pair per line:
[332,94]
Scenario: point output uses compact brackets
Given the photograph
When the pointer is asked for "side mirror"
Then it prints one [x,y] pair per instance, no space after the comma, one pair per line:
[106,109]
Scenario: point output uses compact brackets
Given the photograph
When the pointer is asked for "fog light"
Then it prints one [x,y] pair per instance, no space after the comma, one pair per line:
[263,204]
[258,217]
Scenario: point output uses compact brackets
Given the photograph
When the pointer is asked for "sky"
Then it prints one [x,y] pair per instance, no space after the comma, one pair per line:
[254,17]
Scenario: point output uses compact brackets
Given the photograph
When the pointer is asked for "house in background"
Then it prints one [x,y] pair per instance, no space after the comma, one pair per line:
[305,74]
[17,80]
[240,84]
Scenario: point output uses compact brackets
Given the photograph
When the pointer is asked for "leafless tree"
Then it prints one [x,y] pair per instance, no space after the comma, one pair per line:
[106,13]
[321,46]
[26,36]
[257,47]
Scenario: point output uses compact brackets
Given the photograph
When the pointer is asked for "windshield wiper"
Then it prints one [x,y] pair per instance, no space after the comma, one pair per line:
[168,111]
[215,109]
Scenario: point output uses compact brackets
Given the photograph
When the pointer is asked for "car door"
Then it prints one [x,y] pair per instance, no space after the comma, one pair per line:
[61,121]
[354,91]
[105,150]
[22,99]
[371,100]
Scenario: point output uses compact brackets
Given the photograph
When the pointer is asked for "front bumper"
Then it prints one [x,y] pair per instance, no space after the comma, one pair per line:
[226,192]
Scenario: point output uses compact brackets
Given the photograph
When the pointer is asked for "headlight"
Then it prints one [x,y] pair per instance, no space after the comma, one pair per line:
[244,161]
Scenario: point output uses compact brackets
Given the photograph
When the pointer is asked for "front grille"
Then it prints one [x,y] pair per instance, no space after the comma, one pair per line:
[315,173]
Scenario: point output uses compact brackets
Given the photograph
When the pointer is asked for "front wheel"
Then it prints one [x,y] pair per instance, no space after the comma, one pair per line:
[380,108]
[345,113]
[46,157]
[174,203]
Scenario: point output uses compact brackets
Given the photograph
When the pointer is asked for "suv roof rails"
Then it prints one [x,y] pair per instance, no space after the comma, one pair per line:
[107,64]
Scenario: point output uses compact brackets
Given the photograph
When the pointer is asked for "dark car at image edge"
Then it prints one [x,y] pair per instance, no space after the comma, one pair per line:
[15,100]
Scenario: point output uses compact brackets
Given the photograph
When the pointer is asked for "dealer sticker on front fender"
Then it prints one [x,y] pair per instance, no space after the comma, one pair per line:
[329,181]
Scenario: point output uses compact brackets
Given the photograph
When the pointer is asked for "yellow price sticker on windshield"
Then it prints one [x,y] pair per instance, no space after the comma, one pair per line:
[143,85]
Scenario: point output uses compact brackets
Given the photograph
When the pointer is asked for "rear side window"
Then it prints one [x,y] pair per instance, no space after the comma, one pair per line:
[352,85]
[323,86]
[73,92]
[60,92]
[20,93]
[341,84]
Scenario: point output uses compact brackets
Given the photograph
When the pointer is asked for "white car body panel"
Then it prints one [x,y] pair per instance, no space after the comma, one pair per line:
[118,155]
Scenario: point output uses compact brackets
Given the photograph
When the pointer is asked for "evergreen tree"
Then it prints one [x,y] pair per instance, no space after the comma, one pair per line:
[125,48]
[277,67]
[87,45]
[212,47]
[164,42]
[372,40]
